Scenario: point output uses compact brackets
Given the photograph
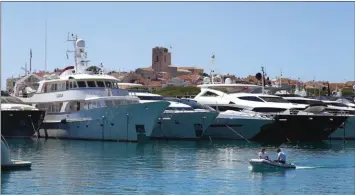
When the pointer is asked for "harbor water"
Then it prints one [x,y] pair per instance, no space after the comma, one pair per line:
[176,167]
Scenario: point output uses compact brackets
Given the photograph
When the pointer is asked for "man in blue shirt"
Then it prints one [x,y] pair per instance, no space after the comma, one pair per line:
[281,157]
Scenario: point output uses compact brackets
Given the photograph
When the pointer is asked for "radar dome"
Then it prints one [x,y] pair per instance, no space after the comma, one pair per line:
[206,80]
[228,81]
[80,43]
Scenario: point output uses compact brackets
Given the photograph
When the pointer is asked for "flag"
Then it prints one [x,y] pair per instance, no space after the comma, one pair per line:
[213,56]
[170,47]
[67,56]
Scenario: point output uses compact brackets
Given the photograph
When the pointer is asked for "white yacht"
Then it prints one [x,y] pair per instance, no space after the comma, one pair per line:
[178,121]
[293,122]
[231,124]
[83,104]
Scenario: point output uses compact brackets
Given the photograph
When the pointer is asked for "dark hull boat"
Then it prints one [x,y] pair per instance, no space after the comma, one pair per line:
[20,123]
[294,128]
[18,120]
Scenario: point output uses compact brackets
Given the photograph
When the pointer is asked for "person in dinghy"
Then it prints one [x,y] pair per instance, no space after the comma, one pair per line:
[262,154]
[281,157]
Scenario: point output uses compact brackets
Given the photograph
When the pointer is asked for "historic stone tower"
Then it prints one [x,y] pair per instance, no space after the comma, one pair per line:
[161,59]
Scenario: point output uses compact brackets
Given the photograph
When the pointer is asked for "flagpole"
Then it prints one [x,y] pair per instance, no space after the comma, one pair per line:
[30,60]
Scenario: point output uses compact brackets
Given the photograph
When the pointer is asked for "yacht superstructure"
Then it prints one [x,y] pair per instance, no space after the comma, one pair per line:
[84,104]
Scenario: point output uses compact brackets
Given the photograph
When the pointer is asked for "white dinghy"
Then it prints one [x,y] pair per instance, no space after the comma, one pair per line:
[7,163]
[258,164]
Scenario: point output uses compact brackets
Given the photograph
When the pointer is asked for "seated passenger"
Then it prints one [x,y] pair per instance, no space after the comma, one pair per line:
[262,154]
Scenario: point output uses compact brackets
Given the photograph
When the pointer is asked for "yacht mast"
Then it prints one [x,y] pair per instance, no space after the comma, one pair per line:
[262,79]
[212,67]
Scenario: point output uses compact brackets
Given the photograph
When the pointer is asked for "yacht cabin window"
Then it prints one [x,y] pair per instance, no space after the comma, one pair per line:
[91,83]
[251,98]
[81,84]
[274,99]
[108,84]
[210,94]
[72,84]
[100,84]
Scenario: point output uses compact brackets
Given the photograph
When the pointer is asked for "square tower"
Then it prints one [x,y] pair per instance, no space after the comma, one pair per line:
[161,59]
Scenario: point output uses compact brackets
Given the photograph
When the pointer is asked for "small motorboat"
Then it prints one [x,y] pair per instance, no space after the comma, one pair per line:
[260,164]
[7,163]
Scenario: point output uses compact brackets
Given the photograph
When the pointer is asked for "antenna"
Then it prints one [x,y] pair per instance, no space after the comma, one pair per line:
[281,78]
[262,79]
[212,65]
[45,43]
[25,69]
[30,60]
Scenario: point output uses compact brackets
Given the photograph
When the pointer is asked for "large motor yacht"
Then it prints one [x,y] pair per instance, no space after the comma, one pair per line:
[293,122]
[230,124]
[179,120]
[83,104]
[19,120]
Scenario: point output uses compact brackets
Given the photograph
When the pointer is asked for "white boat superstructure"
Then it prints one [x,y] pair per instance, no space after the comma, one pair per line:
[84,104]
[232,124]
[178,121]
[231,95]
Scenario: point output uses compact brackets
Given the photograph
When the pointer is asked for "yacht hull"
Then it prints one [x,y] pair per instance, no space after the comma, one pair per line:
[20,124]
[183,125]
[133,122]
[294,128]
[346,131]
[236,127]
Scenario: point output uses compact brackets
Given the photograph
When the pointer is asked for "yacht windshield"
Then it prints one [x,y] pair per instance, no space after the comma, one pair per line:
[234,89]
[336,104]
[150,97]
[274,99]
[191,103]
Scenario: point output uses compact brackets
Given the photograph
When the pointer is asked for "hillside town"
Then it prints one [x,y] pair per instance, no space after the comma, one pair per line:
[163,72]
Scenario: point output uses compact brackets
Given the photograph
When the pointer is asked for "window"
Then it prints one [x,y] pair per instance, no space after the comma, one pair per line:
[210,94]
[91,83]
[225,108]
[157,59]
[73,84]
[274,99]
[150,97]
[179,108]
[81,84]
[251,98]
[100,84]
[268,109]
[108,84]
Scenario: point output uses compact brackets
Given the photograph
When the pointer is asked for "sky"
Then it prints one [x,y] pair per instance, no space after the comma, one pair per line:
[306,40]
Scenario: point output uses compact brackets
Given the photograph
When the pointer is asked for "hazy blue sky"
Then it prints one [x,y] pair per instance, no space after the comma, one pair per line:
[305,40]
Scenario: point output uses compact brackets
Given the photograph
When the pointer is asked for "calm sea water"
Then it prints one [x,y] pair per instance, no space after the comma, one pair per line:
[175,167]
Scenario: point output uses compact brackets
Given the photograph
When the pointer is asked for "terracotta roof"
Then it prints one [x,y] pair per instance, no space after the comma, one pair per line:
[183,67]
[153,84]
[182,70]
[192,77]
[146,68]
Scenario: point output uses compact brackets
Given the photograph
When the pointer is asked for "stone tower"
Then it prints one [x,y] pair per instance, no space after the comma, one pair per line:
[161,59]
